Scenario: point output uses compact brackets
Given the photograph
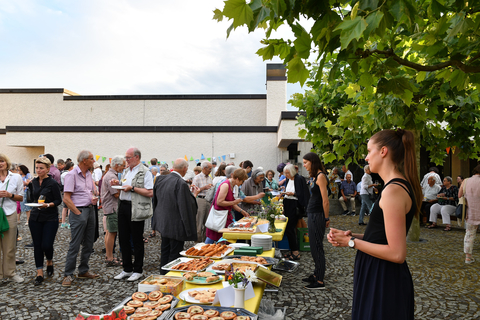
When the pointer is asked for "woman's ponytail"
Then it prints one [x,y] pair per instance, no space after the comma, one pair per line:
[410,167]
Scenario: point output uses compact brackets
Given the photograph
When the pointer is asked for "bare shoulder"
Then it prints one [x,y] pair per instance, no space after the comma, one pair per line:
[395,195]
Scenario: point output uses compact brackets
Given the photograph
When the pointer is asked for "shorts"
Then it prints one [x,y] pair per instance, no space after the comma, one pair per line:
[112,222]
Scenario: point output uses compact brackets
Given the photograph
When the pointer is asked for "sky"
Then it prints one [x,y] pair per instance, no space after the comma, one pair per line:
[106,47]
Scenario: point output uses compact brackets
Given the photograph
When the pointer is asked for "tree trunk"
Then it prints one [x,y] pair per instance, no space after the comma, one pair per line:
[414,232]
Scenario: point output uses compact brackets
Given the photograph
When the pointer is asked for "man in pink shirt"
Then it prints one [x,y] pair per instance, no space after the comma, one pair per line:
[79,197]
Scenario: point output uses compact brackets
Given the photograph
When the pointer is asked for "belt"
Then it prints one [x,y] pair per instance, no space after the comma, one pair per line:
[126,201]
[203,197]
[89,206]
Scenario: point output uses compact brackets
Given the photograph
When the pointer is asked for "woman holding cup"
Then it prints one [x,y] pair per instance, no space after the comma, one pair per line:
[43,222]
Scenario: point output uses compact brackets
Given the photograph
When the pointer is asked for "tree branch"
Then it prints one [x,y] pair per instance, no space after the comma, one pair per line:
[389,53]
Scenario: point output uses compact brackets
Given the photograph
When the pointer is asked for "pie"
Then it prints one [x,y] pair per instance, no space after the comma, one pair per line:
[228,315]
[216,318]
[182,315]
[128,309]
[135,303]
[211,313]
[165,299]
[140,296]
[195,310]
[155,295]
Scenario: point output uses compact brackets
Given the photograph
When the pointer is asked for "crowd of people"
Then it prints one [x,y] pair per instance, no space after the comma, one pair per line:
[176,202]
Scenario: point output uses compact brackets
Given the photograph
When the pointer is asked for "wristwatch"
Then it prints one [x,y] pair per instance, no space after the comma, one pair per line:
[351,243]
[133,189]
[12,196]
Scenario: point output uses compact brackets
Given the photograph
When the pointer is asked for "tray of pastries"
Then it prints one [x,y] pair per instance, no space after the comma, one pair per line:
[210,313]
[266,261]
[213,251]
[149,305]
[188,264]
[227,264]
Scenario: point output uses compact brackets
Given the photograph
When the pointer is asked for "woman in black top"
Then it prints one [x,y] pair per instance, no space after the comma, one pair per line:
[318,211]
[43,221]
[382,283]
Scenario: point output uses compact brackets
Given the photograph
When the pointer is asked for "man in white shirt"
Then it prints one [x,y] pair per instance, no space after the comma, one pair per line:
[134,208]
[433,172]
[97,173]
[345,172]
[429,197]
[203,182]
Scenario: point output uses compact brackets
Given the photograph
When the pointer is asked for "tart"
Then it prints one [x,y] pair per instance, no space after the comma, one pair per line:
[155,295]
[154,313]
[137,316]
[140,296]
[128,309]
[135,303]
[199,317]
[142,310]
[163,307]
[182,315]
[216,318]
[242,318]
[151,304]
[228,315]
[165,299]
[195,310]
[211,313]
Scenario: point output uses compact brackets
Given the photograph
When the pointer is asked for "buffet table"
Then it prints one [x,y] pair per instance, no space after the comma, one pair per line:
[277,236]
[251,305]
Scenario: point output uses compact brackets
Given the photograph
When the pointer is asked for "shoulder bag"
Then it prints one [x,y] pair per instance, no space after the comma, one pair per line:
[462,204]
[216,218]
[4,226]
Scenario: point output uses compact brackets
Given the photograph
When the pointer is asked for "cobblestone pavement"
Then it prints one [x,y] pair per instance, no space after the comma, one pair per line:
[445,287]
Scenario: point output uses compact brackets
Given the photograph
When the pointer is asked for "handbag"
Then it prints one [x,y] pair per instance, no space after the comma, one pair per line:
[216,218]
[462,204]
[4,226]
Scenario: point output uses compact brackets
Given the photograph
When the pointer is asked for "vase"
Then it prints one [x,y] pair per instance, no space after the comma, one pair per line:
[271,227]
[239,297]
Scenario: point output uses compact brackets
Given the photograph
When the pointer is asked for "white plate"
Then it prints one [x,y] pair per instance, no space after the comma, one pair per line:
[34,204]
[199,245]
[262,237]
[184,296]
[239,245]
[118,187]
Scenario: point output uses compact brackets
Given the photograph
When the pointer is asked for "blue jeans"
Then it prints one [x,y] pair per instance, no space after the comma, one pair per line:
[209,241]
[366,206]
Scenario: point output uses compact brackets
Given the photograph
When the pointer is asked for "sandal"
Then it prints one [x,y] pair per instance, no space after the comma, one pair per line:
[295,256]
[448,228]
[113,263]
[145,240]
[433,225]
[469,260]
[153,234]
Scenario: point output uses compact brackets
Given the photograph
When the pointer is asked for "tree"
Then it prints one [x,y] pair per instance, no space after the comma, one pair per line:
[381,64]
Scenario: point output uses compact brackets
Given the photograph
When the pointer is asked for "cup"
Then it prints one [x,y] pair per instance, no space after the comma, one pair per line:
[41,199]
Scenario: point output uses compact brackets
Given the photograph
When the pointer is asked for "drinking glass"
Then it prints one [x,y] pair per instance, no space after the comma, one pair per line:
[41,199]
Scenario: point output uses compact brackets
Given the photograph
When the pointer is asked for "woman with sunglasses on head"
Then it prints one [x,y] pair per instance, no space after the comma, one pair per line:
[382,283]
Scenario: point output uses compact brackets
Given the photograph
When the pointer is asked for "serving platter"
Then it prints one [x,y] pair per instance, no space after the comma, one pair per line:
[186,297]
[118,187]
[202,280]
[270,261]
[34,204]
[176,262]
[198,246]
[165,313]
[237,311]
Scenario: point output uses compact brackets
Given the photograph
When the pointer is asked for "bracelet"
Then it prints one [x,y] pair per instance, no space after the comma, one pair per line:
[327,219]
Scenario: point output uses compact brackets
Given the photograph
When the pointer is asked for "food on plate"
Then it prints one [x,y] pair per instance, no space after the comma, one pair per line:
[204,274]
[242,267]
[195,310]
[241,229]
[165,299]
[189,275]
[194,265]
[154,313]
[140,296]
[182,315]
[142,310]
[163,307]
[241,318]
[135,303]
[260,260]
[211,313]
[212,279]
[137,316]
[228,315]
[128,309]
[221,266]
[203,296]
[199,317]
[151,304]
[208,250]
[155,295]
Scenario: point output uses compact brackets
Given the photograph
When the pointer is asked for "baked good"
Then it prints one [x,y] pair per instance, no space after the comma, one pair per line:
[162,281]
[211,313]
[137,316]
[199,317]
[221,266]
[142,310]
[155,295]
[135,303]
[163,307]
[165,299]
[140,296]
[154,313]
[241,318]
[128,309]
[151,304]
[216,318]
[182,315]
[189,275]
[195,310]
[212,279]
[204,274]
[228,315]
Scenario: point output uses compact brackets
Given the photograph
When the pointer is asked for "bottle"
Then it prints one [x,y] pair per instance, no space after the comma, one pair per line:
[306,238]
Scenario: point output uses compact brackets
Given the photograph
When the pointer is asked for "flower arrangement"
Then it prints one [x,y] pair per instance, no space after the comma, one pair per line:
[240,279]
[271,211]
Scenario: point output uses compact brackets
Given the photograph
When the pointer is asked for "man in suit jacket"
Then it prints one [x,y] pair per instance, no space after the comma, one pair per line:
[174,212]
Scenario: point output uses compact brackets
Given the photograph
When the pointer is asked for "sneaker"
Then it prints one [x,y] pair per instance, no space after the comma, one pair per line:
[470,260]
[135,276]
[16,278]
[123,275]
[353,213]
[309,279]
[19,238]
[315,286]
[67,281]
[62,225]
[68,225]
[29,245]
[345,213]
[26,223]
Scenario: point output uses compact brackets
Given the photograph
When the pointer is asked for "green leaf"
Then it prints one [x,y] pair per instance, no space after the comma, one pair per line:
[366,79]
[261,16]
[239,11]
[266,52]
[437,8]
[373,21]
[407,97]
[351,29]
[297,71]
[459,24]
[303,45]
[352,90]
[421,76]
[368,4]
[279,7]
[328,157]
[353,13]
[217,15]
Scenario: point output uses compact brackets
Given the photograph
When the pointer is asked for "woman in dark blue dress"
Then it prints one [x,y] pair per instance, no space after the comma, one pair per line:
[382,284]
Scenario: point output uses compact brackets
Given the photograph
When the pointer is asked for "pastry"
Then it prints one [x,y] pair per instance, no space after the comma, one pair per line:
[212,279]
[241,318]
[154,313]
[165,299]
[140,296]
[195,310]
[128,309]
[182,315]
[155,295]
[211,313]
[162,281]
[151,304]
[216,318]
[142,310]
[204,274]
[137,316]
[135,303]
[199,317]
[228,315]
[163,307]
[189,275]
